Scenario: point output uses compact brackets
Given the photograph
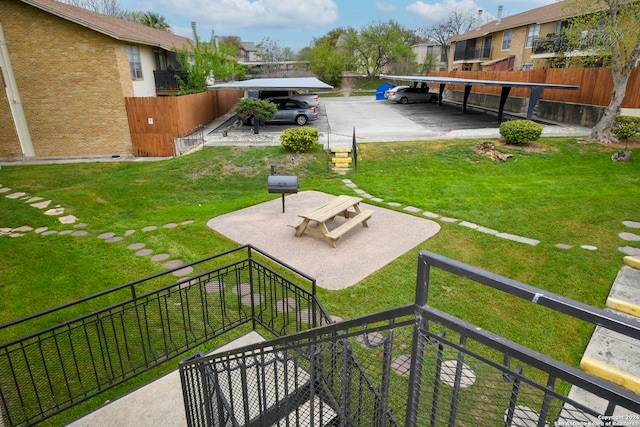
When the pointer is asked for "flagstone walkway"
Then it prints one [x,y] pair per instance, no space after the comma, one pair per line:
[628,233]
[80,229]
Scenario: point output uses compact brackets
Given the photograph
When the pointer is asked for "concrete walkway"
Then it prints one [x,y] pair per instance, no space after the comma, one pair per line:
[157,404]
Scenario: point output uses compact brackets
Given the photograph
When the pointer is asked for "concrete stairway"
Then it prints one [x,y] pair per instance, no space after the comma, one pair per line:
[341,158]
[613,356]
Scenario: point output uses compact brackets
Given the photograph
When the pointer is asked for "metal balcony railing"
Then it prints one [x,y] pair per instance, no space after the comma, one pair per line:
[56,359]
[166,80]
[473,53]
[559,43]
[409,366]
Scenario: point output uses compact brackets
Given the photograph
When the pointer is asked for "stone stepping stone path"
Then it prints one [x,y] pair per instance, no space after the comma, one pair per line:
[286,305]
[214,286]
[632,234]
[255,299]
[187,284]
[448,374]
[169,265]
[305,316]
[160,257]
[183,271]
[523,416]
[628,236]
[110,237]
[371,339]
[401,365]
[242,289]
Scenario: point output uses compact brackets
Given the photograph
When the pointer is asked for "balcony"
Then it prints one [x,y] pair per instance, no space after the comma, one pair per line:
[473,53]
[559,43]
[407,366]
[167,81]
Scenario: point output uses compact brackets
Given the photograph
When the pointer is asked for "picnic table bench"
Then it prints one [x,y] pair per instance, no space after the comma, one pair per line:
[345,206]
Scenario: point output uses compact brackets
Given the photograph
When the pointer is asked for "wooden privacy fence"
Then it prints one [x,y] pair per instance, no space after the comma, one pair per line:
[155,122]
[595,84]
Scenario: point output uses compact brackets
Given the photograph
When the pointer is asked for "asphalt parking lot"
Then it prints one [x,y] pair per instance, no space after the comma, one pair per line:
[381,120]
[384,121]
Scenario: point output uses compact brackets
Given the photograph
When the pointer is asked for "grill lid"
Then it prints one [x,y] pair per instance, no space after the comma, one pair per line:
[282,184]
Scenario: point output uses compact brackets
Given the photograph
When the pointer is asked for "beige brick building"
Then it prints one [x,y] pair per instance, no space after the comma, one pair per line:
[67,72]
[511,43]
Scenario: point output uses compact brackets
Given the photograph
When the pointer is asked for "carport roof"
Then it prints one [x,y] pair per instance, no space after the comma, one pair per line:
[284,83]
[536,88]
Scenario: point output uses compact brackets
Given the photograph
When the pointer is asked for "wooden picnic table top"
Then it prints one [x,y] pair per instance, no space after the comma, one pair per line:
[329,210]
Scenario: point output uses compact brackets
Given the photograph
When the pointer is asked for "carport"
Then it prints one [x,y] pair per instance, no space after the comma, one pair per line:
[273,84]
[536,88]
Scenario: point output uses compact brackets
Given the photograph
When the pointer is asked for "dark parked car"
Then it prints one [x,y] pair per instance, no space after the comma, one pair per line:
[412,94]
[291,111]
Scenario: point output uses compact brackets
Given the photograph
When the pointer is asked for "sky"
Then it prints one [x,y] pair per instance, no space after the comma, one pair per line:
[295,23]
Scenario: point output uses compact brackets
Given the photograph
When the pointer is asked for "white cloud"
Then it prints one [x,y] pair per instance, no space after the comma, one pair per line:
[230,16]
[385,7]
[440,10]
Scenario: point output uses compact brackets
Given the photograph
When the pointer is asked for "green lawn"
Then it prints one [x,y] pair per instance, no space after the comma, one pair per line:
[558,191]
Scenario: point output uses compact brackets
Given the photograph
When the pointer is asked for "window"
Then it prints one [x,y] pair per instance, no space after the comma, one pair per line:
[429,50]
[135,64]
[533,32]
[506,40]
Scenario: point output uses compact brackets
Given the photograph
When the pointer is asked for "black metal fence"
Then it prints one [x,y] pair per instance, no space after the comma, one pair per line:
[169,80]
[105,339]
[469,53]
[409,366]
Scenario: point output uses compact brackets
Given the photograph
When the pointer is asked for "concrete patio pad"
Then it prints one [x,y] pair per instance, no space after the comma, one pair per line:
[360,252]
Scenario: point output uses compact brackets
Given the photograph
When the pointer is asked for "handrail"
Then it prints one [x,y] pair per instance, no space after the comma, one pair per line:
[609,320]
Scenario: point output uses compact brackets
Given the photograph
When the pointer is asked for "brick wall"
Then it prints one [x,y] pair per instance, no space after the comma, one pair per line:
[9,143]
[69,79]
[518,41]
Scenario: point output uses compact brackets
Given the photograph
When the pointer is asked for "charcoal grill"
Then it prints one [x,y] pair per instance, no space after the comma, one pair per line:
[283,184]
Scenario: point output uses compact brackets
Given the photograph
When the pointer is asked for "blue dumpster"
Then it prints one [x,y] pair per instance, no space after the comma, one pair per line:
[381,90]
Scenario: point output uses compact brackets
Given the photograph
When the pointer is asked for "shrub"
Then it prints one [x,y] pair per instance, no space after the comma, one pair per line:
[626,126]
[299,139]
[520,131]
[261,109]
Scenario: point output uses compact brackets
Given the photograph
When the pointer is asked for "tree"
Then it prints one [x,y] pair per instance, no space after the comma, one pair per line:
[378,45]
[610,30]
[326,62]
[458,22]
[150,19]
[273,55]
[105,7]
[204,61]
[429,64]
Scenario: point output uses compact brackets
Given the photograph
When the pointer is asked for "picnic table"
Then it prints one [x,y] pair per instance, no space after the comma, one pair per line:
[314,222]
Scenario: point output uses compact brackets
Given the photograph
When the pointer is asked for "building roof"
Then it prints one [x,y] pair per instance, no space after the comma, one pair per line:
[117,28]
[552,12]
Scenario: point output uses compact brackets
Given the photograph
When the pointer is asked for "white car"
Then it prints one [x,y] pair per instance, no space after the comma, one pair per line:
[388,91]
[412,94]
